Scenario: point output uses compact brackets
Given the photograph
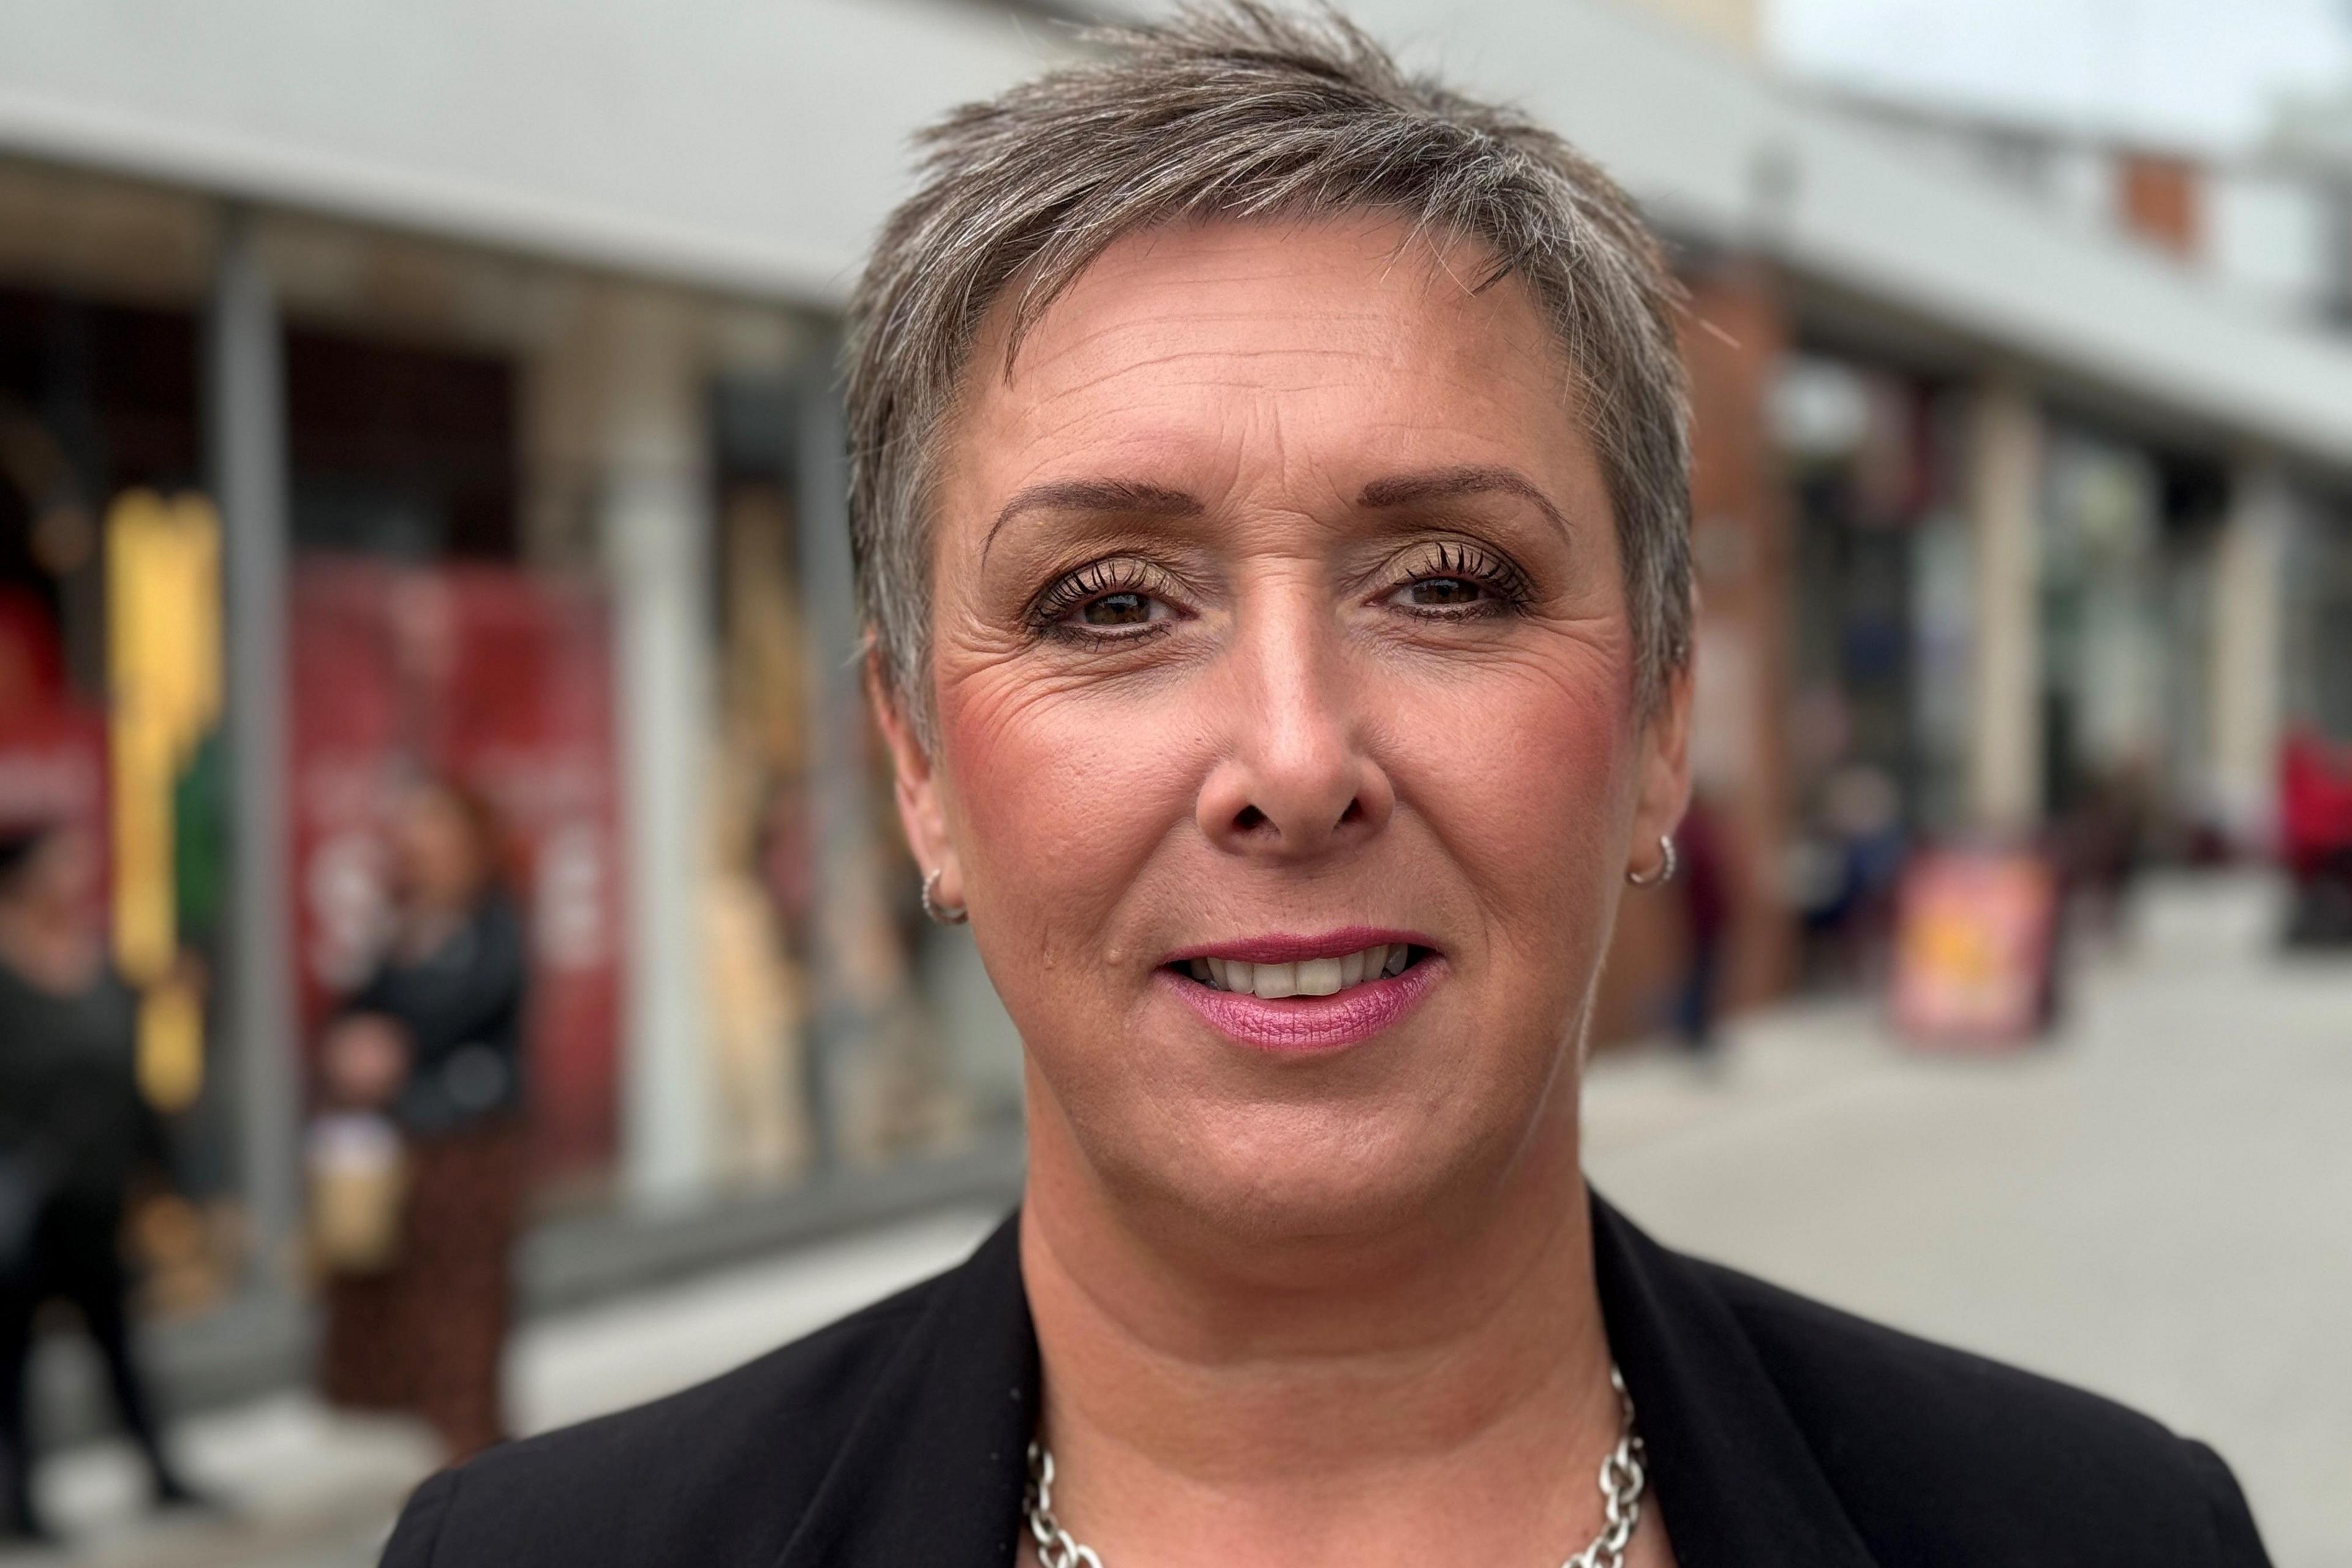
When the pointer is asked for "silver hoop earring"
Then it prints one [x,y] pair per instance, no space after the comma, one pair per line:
[937,910]
[1665,872]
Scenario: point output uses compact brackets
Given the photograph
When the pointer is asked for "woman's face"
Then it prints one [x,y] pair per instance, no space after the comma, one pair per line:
[1279,616]
[436,862]
[59,883]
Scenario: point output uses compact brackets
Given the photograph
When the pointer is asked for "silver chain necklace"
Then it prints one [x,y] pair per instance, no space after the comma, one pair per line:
[1622,1476]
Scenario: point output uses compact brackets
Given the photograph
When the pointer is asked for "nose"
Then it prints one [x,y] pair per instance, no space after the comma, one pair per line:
[1295,780]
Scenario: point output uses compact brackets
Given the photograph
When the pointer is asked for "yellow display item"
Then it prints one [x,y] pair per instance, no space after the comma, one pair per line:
[163,685]
[171,1044]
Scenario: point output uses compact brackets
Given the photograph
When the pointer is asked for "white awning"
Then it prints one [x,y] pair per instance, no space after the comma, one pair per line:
[739,144]
[754,145]
[1716,150]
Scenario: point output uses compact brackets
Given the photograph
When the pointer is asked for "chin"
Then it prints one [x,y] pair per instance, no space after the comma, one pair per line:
[1264,1180]
[1266,1162]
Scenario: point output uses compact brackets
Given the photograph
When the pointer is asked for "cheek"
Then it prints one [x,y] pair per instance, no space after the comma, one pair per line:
[1059,800]
[1526,776]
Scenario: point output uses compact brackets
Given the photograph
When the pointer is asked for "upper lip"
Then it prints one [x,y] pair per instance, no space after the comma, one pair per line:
[1282,948]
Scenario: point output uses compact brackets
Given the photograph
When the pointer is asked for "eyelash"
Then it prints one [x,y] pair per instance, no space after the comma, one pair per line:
[1049,614]
[1459,561]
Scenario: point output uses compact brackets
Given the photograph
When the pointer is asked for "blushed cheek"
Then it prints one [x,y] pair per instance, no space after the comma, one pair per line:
[1058,803]
[997,774]
[1538,801]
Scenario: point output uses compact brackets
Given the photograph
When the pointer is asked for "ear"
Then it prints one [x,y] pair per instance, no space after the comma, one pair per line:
[1665,784]
[914,784]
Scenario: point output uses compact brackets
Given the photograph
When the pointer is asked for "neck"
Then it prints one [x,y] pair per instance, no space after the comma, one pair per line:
[1410,1397]
[429,922]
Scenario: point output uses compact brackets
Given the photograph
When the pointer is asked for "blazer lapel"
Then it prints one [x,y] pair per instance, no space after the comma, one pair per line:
[1733,1476]
[932,1471]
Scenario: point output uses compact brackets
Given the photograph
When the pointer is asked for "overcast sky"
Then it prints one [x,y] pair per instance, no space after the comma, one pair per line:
[2200,71]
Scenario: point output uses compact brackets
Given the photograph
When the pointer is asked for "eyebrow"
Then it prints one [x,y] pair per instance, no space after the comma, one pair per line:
[1094,495]
[1467,479]
[1136,499]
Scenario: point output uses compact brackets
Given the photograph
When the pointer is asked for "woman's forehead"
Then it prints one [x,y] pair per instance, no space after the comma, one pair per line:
[1343,341]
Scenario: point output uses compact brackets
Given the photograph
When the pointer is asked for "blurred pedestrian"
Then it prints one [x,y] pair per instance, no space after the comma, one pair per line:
[74,1134]
[2101,845]
[2315,836]
[433,1042]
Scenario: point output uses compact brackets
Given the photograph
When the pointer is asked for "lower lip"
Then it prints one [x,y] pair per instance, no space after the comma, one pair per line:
[1309,1026]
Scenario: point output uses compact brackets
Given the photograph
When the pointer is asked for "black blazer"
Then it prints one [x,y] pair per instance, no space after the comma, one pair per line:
[462,1005]
[1780,1432]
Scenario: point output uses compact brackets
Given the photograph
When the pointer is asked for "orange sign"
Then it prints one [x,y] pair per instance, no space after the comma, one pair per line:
[1974,944]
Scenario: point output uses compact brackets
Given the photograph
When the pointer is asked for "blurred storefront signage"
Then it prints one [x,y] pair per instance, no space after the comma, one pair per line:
[502,682]
[53,768]
[52,746]
[163,687]
[1975,937]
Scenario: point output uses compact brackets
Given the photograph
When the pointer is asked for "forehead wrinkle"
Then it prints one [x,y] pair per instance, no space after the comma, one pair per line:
[1096,379]
[1333,306]
[1360,333]
[1249,265]
[1057,334]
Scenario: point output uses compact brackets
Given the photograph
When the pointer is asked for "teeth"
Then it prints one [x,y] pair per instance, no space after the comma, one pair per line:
[1308,977]
[1276,980]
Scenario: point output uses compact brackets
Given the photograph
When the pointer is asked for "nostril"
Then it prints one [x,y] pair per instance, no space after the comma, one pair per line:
[1355,812]
[1249,818]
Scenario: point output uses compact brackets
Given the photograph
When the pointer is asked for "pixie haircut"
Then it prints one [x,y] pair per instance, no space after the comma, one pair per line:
[1240,111]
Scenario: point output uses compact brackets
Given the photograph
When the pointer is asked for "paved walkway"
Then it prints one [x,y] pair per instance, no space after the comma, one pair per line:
[314,1489]
[2158,1206]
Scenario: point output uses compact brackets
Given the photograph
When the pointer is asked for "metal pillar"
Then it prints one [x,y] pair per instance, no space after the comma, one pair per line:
[246,419]
[2245,697]
[657,527]
[2005,762]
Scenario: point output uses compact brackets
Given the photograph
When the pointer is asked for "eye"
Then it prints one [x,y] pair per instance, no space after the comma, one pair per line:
[1442,592]
[1454,580]
[1128,610]
[1105,601]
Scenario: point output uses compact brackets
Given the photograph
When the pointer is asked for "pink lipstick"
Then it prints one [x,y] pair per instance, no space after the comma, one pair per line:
[1305,994]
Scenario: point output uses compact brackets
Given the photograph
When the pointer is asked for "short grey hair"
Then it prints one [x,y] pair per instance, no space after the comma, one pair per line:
[1237,109]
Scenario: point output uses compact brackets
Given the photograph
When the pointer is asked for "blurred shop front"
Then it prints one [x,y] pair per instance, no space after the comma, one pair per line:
[2169,625]
[1959,622]
[519,526]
